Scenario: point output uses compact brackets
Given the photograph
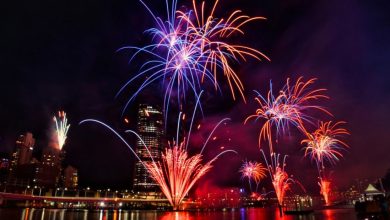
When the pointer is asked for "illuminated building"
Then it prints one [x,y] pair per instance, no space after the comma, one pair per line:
[221,198]
[24,148]
[4,168]
[151,130]
[48,172]
[70,177]
[21,165]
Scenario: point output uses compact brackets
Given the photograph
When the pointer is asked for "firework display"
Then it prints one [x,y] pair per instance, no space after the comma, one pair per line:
[177,172]
[280,112]
[62,127]
[289,107]
[325,189]
[189,48]
[181,114]
[253,171]
[279,177]
[192,50]
[324,145]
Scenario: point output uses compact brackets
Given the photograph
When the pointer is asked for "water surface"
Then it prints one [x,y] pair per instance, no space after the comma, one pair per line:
[237,214]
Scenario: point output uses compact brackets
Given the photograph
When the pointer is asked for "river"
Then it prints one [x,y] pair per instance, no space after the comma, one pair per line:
[242,214]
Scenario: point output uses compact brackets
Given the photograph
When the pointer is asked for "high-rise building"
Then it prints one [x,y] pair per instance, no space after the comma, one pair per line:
[24,148]
[51,157]
[48,172]
[21,164]
[151,129]
[70,177]
[4,169]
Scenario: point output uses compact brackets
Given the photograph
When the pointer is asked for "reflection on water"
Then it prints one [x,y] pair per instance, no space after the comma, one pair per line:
[242,214]
[176,216]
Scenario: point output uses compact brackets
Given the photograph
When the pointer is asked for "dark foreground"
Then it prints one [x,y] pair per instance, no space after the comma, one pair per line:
[249,213]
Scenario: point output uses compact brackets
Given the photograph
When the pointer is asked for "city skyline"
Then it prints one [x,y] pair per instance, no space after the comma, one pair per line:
[90,91]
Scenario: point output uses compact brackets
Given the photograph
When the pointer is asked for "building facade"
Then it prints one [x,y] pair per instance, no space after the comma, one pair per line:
[151,129]
[48,172]
[4,169]
[22,165]
[70,177]
[23,152]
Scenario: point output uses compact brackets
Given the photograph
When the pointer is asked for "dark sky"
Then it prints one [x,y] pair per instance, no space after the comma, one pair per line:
[61,55]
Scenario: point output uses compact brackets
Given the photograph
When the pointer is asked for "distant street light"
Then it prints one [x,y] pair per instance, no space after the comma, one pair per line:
[36,187]
[85,192]
[25,191]
[55,192]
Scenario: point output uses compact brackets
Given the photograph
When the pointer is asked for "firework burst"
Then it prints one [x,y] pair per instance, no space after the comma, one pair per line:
[285,109]
[253,171]
[62,127]
[191,47]
[324,145]
[211,35]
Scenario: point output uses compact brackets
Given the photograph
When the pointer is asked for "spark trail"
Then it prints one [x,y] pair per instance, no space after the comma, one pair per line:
[62,128]
[177,172]
[279,177]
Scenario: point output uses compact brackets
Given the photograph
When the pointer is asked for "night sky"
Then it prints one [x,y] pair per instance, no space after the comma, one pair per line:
[62,55]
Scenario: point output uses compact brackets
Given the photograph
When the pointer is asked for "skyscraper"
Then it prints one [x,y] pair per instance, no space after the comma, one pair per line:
[4,169]
[48,172]
[24,148]
[151,129]
[70,177]
[21,166]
